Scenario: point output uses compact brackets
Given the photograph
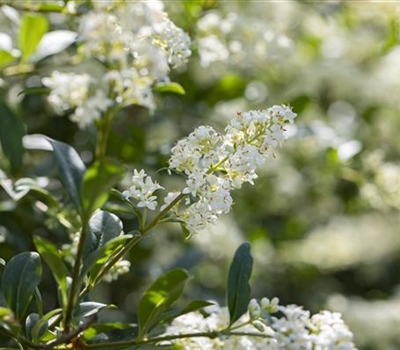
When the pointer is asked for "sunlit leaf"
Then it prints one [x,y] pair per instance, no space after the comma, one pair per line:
[33,27]
[170,87]
[53,43]
[97,182]
[159,297]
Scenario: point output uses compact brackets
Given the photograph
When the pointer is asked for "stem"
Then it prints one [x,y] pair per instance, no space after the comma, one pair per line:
[111,263]
[212,335]
[161,214]
[103,128]
[73,293]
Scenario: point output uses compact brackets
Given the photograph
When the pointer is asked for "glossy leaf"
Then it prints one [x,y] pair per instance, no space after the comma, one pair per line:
[238,288]
[33,27]
[170,87]
[103,227]
[30,323]
[71,168]
[89,308]
[194,305]
[11,133]
[53,43]
[97,182]
[98,328]
[20,278]
[42,323]
[53,259]
[159,297]
[96,260]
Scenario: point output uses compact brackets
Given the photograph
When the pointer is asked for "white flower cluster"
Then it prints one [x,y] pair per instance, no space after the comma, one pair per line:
[295,330]
[139,43]
[136,42]
[142,190]
[215,163]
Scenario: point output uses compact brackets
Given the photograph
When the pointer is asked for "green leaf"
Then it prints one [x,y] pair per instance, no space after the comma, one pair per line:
[71,168]
[103,227]
[98,328]
[96,260]
[159,297]
[33,27]
[30,323]
[20,278]
[169,87]
[11,133]
[238,288]
[97,182]
[53,259]
[89,308]
[5,58]
[42,323]
[194,305]
[53,43]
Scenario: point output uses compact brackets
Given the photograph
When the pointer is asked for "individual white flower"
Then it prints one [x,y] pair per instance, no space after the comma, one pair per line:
[142,190]
[270,306]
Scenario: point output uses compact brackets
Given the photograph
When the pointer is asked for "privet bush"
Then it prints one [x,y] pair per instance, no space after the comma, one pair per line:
[49,49]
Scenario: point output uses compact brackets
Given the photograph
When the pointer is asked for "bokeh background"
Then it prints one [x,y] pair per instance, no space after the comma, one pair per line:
[323,217]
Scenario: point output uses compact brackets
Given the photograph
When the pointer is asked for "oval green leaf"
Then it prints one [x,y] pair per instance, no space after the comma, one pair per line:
[103,227]
[53,259]
[20,278]
[159,297]
[71,168]
[97,182]
[238,288]
[33,27]
[11,134]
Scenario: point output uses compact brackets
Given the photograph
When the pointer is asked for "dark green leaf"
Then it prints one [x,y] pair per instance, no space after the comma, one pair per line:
[96,260]
[97,182]
[53,259]
[103,227]
[20,278]
[71,168]
[169,87]
[33,27]
[30,323]
[42,323]
[11,133]
[159,297]
[238,288]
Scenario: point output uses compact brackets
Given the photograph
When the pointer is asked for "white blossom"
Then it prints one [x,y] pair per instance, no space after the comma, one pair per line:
[142,190]
[216,163]
[295,329]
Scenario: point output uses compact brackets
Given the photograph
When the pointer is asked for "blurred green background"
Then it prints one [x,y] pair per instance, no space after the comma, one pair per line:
[323,217]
